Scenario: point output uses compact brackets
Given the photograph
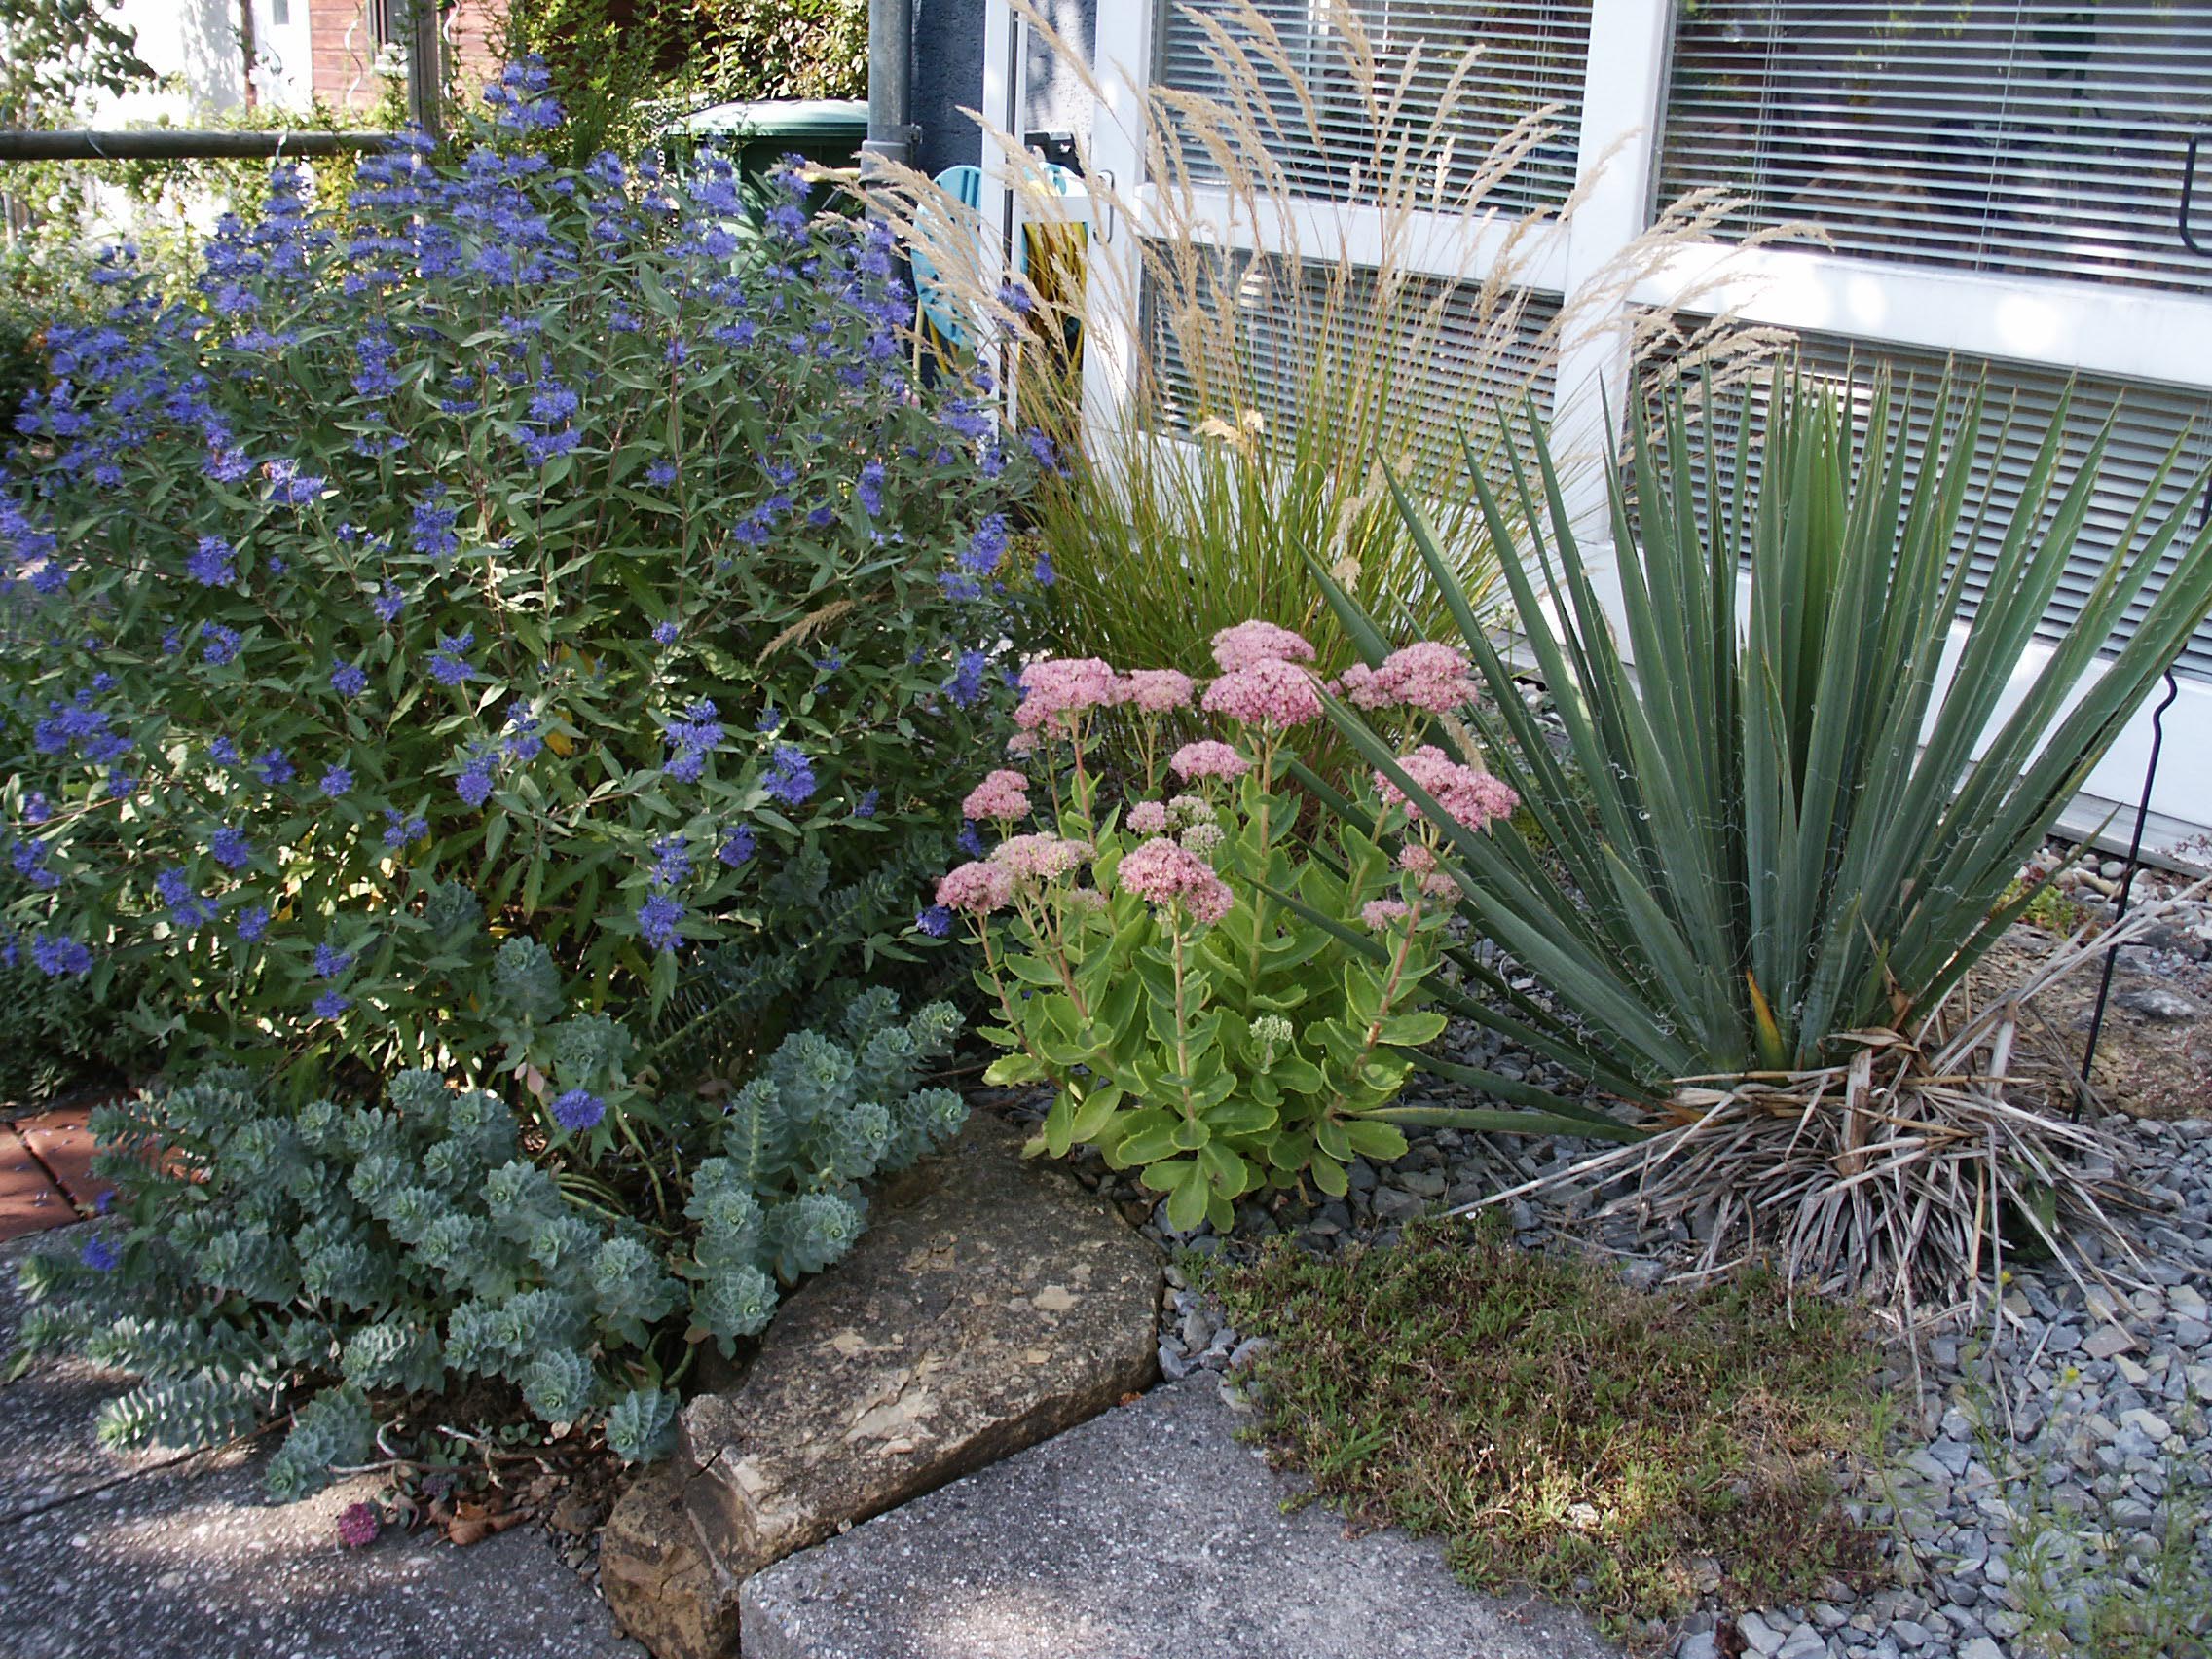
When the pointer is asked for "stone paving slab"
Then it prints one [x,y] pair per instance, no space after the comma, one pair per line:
[1147,1532]
[150,1557]
[991,1303]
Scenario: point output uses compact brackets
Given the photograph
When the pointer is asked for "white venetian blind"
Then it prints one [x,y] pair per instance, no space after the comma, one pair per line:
[1990,136]
[1467,363]
[1401,112]
[2022,400]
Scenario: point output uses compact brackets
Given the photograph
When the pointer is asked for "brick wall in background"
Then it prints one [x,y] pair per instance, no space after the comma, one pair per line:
[344,36]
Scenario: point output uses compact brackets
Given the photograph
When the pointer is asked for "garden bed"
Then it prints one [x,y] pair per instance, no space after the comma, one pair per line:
[2047,1486]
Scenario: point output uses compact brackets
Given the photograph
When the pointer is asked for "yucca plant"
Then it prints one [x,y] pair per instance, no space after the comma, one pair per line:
[1778,846]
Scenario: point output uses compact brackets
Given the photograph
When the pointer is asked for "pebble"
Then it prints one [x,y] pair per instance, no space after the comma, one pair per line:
[2158,1003]
[1758,1635]
[2106,1341]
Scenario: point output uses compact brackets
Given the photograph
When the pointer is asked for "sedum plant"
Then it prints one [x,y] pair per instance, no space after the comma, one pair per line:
[507,553]
[1218,1004]
[333,1260]
[1791,824]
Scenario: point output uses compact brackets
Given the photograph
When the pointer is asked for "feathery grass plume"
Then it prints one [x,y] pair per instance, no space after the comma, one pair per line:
[1272,393]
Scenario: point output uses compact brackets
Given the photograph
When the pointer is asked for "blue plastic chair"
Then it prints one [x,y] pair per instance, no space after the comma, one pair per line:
[965,185]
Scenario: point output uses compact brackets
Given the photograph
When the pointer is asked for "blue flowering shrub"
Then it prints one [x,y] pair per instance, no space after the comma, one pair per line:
[331,1259]
[492,667]
[510,596]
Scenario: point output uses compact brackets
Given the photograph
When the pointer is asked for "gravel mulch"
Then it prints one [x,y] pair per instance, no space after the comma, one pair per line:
[2051,1488]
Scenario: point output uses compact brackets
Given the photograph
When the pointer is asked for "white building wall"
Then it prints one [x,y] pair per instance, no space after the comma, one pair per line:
[196,46]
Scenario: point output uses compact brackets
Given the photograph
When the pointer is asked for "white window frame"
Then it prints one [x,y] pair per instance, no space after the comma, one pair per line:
[2101,329]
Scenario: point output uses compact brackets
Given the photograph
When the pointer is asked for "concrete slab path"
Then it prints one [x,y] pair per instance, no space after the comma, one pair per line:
[154,1557]
[1147,1532]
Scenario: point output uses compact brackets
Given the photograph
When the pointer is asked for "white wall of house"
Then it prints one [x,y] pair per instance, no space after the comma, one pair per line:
[196,46]
[193,47]
[2003,184]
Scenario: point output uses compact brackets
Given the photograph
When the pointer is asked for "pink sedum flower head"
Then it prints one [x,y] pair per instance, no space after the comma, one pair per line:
[1157,690]
[1270,693]
[1161,873]
[977,887]
[1039,857]
[1418,861]
[1207,758]
[1357,687]
[1001,794]
[1470,798]
[1148,818]
[1428,675]
[1249,644]
[1021,745]
[1384,914]
[1055,690]
[1086,898]
[1209,901]
[358,1525]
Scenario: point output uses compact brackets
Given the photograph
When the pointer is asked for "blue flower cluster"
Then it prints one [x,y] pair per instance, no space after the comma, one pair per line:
[685,460]
[692,739]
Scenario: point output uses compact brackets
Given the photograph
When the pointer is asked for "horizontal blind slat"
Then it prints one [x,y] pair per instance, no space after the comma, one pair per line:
[1991,136]
[1531,55]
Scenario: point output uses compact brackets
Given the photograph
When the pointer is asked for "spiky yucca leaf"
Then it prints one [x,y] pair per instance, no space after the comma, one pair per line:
[1791,822]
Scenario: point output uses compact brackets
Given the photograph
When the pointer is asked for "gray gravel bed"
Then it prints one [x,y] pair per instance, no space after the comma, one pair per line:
[2052,1474]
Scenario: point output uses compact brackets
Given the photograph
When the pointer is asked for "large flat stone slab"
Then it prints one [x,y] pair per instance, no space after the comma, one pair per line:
[992,1303]
[1148,1531]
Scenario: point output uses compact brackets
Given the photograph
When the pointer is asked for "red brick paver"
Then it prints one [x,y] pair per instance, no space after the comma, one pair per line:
[61,1142]
[30,1200]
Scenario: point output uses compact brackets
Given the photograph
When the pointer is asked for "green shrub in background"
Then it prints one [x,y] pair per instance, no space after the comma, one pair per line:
[507,605]
[616,69]
[622,68]
[334,1259]
[782,49]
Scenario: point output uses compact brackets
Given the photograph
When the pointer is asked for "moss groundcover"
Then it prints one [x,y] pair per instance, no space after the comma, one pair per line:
[1607,1446]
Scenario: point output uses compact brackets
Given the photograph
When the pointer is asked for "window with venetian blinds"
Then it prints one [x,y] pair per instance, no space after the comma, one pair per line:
[1987,135]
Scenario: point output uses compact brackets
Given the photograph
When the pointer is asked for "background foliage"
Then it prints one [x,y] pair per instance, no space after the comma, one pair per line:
[622,67]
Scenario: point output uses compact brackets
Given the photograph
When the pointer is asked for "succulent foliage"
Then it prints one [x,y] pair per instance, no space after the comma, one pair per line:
[333,1259]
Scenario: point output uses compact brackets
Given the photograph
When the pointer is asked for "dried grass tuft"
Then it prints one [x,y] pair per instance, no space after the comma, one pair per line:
[1268,391]
[1901,1175]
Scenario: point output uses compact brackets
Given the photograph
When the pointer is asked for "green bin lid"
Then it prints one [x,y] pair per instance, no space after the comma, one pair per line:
[797,120]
